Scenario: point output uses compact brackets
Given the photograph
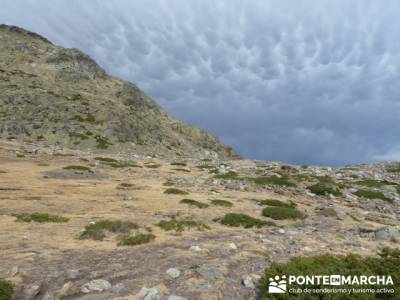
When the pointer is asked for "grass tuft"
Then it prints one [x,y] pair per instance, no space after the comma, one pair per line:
[274,202]
[194,203]
[175,191]
[40,218]
[218,202]
[138,239]
[78,168]
[282,213]
[6,290]
[181,225]
[372,195]
[242,220]
[182,164]
[324,189]
[96,231]
[273,180]
[227,176]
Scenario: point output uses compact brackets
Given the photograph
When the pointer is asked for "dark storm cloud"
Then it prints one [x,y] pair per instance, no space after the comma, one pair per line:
[297,81]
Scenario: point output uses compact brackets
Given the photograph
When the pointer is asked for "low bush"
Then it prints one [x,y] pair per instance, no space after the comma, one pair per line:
[194,203]
[6,290]
[324,189]
[181,170]
[40,218]
[175,191]
[372,195]
[96,231]
[228,175]
[282,213]
[242,220]
[373,183]
[274,202]
[78,168]
[181,225]
[138,239]
[218,202]
[350,265]
[273,180]
[182,164]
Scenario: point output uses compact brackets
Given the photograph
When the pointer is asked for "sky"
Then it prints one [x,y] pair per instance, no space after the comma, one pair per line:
[305,81]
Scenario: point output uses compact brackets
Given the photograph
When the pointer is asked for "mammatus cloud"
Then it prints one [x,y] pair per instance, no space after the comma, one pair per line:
[304,82]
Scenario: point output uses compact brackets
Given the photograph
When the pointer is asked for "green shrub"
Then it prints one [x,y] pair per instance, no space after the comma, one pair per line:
[181,225]
[385,264]
[78,168]
[102,142]
[153,166]
[182,164]
[238,220]
[96,231]
[324,189]
[6,290]
[282,213]
[125,185]
[194,203]
[175,191]
[274,202]
[273,180]
[228,175]
[40,218]
[372,195]
[393,169]
[168,183]
[202,167]
[137,239]
[374,183]
[181,170]
[106,159]
[218,202]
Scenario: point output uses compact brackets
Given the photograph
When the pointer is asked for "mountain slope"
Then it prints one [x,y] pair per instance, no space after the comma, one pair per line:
[61,96]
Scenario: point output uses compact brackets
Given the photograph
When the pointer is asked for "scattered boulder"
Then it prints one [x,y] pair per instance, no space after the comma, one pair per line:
[247,281]
[388,233]
[174,273]
[97,285]
[31,291]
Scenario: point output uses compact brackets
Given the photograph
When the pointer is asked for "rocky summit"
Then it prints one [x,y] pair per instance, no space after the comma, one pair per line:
[104,196]
[58,96]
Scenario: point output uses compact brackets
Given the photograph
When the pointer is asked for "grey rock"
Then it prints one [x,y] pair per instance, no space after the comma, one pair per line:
[174,273]
[97,285]
[195,248]
[119,288]
[68,289]
[174,297]
[248,281]
[143,292]
[31,291]
[388,233]
[210,272]
[153,294]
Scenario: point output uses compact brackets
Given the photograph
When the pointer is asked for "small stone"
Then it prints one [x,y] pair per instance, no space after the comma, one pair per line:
[118,288]
[143,292]
[195,248]
[68,289]
[281,231]
[174,273]
[174,297]
[98,285]
[14,271]
[232,246]
[248,281]
[72,274]
[31,291]
[153,294]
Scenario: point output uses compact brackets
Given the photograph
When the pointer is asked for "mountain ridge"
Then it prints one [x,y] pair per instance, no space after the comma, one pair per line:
[60,96]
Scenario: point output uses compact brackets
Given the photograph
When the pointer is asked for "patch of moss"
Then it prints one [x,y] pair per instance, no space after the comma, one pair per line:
[242,220]
[40,218]
[373,183]
[227,175]
[78,168]
[175,191]
[218,202]
[202,167]
[138,239]
[181,225]
[168,183]
[102,142]
[96,231]
[125,185]
[182,164]
[6,290]
[393,169]
[153,166]
[282,213]
[350,265]
[324,189]
[273,180]
[194,203]
[372,195]
[181,170]
[274,202]
[106,159]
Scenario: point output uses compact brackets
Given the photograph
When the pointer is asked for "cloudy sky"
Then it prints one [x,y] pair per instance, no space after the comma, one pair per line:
[305,81]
